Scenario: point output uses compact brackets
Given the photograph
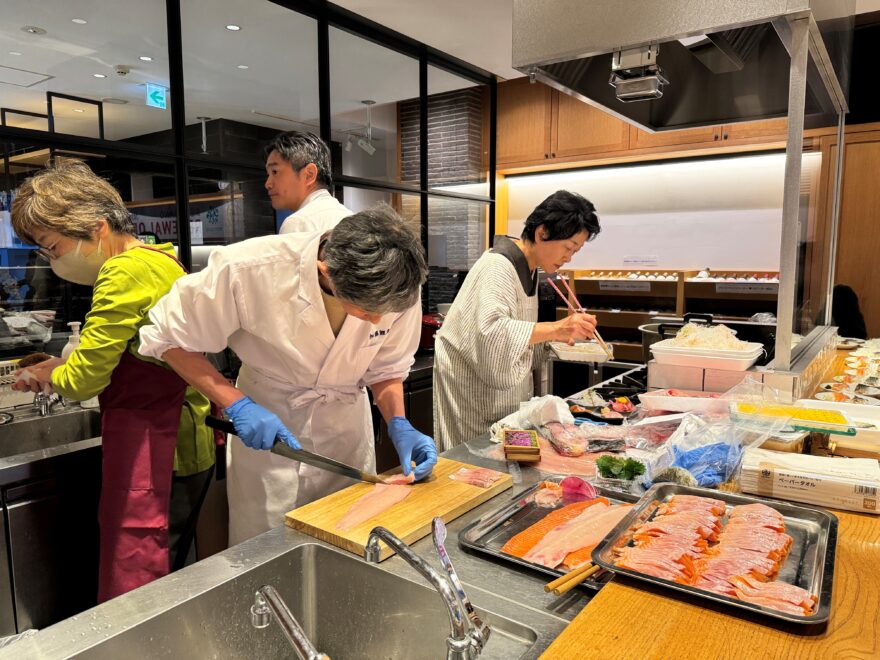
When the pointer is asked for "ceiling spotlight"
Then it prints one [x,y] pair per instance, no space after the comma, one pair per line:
[14,52]
[79,21]
[366,146]
[233,28]
[242,66]
[99,75]
[348,143]
[78,110]
[33,29]
[145,58]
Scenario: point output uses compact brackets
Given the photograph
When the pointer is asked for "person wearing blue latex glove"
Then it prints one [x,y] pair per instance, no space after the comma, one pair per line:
[412,445]
[258,427]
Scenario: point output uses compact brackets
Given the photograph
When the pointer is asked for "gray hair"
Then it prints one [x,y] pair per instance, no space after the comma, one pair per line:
[376,261]
[300,149]
[70,199]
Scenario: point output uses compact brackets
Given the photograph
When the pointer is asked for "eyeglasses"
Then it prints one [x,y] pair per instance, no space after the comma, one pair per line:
[48,253]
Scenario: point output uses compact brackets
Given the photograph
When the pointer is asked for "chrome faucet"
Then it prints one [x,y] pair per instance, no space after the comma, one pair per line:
[466,640]
[267,603]
[45,402]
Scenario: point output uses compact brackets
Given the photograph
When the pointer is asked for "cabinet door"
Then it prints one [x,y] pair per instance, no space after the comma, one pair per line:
[581,129]
[7,610]
[523,134]
[640,139]
[767,130]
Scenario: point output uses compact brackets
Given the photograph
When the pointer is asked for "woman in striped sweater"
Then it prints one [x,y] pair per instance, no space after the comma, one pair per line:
[488,345]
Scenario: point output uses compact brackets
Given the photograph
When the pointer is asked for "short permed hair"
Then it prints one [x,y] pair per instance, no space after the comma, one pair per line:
[563,215]
[70,199]
[376,261]
[299,149]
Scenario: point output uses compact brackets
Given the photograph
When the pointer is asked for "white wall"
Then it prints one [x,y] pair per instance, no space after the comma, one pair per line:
[721,213]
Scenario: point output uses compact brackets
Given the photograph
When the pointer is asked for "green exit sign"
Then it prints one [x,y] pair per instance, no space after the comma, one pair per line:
[157,96]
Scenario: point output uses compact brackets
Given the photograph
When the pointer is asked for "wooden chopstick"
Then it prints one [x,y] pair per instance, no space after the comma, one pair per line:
[575,580]
[579,310]
[562,579]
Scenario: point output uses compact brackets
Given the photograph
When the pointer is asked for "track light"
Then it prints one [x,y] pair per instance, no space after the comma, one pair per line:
[366,146]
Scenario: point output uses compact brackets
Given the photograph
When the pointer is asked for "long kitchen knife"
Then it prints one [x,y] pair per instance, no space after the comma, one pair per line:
[283,449]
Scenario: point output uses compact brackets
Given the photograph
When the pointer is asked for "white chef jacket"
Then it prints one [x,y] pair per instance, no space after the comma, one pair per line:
[261,298]
[320,211]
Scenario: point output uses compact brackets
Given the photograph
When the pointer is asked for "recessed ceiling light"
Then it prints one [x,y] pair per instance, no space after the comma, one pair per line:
[99,75]
[145,58]
[78,110]
[33,29]
[233,28]
[113,101]
[14,52]
[242,66]
[79,21]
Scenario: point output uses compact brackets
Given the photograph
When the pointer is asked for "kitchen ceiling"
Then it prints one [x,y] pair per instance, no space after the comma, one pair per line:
[267,67]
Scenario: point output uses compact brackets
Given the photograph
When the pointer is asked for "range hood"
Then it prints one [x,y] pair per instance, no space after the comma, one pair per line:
[674,64]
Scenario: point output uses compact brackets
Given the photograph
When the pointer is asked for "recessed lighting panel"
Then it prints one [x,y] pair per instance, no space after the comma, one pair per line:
[242,66]
[78,110]
[79,21]
[33,29]
[14,52]
[145,58]
[233,28]
[99,75]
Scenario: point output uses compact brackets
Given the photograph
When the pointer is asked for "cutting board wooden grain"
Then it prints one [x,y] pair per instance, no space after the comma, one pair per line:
[409,519]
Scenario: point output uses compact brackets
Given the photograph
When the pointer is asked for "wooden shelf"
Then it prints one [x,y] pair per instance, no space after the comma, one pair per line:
[628,351]
[626,287]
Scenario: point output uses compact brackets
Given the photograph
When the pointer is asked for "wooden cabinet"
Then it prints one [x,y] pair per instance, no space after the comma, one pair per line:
[768,130]
[858,244]
[524,122]
[640,139]
[579,129]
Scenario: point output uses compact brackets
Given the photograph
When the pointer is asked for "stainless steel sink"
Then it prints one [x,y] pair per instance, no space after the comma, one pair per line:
[61,427]
[349,609]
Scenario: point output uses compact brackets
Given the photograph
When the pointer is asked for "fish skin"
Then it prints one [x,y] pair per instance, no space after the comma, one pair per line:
[521,543]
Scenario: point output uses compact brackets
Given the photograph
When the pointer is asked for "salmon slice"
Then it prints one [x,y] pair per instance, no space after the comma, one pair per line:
[584,531]
[520,544]
[580,557]
[381,498]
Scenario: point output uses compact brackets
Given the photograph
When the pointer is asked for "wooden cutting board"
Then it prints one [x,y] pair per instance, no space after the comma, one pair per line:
[409,519]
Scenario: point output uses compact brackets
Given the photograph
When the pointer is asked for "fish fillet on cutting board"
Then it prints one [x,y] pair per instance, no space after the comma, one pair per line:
[409,519]
[381,498]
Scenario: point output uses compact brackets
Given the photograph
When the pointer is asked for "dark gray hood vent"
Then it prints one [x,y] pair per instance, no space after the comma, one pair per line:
[678,64]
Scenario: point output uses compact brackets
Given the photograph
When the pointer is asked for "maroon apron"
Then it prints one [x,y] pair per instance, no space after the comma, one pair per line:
[140,417]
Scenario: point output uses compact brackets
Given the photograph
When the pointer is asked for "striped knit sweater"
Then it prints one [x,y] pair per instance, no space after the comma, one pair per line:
[483,362]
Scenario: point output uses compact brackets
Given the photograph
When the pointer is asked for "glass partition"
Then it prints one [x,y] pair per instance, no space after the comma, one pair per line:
[372,89]
[82,68]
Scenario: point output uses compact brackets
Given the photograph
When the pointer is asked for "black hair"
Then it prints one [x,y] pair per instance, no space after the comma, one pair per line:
[563,215]
[845,313]
[299,149]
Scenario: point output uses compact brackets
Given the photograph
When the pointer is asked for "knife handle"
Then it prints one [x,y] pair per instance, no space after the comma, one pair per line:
[280,447]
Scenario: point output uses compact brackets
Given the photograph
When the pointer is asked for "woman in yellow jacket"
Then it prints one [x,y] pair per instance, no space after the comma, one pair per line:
[82,227]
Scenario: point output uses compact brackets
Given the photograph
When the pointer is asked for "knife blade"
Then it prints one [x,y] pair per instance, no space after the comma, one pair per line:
[316,460]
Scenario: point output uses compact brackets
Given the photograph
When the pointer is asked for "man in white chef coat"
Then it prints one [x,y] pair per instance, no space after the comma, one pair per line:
[299,179]
[315,318]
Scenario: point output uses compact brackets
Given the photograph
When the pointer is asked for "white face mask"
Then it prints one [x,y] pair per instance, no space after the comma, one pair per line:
[79,268]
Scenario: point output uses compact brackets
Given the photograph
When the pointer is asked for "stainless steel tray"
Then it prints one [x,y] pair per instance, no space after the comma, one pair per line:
[810,563]
[494,529]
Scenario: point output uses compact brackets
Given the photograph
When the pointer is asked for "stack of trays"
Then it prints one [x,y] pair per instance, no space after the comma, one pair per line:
[520,445]
[707,358]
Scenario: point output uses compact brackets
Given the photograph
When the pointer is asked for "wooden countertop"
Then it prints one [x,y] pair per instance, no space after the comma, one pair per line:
[628,620]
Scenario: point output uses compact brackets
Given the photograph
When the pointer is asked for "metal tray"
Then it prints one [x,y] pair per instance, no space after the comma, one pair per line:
[809,565]
[494,529]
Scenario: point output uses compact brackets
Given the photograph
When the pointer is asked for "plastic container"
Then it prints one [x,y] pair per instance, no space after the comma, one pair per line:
[706,358]
[662,400]
[580,352]
[70,347]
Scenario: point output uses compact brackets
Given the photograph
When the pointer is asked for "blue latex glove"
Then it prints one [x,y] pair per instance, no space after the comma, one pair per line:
[710,464]
[256,426]
[411,445]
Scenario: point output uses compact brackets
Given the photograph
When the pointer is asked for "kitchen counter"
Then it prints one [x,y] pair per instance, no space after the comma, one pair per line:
[630,620]
[501,588]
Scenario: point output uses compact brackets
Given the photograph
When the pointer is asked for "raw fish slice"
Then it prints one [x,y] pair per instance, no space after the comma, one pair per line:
[584,531]
[548,495]
[521,543]
[482,477]
[552,463]
[565,439]
[381,498]
[780,595]
[679,503]
[400,480]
